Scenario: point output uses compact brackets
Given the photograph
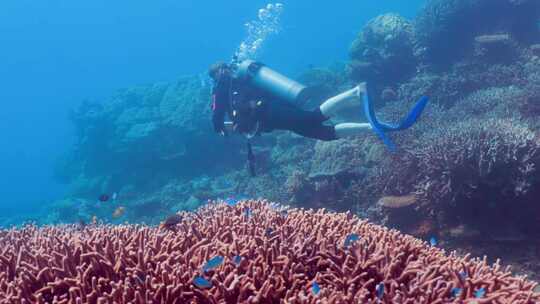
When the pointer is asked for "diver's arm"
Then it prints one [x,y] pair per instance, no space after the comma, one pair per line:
[220,106]
[218,117]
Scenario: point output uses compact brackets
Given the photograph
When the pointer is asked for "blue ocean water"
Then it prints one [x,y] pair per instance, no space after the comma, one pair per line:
[57,53]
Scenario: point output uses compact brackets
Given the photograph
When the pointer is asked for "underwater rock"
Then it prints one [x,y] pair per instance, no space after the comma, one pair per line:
[493,40]
[498,47]
[158,128]
[530,106]
[505,233]
[397,201]
[388,94]
[384,36]
[336,158]
[445,29]
[383,50]
[130,256]
[423,228]
[299,188]
[141,133]
[535,48]
[361,70]
[462,232]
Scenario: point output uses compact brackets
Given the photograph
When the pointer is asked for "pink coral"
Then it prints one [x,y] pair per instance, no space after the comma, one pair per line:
[140,264]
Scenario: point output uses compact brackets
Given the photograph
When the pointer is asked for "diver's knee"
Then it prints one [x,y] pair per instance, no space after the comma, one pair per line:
[362,88]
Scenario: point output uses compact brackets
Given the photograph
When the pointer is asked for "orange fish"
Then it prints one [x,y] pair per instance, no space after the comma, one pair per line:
[119,212]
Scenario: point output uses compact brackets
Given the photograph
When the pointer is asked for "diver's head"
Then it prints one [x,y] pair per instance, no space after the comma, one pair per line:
[218,69]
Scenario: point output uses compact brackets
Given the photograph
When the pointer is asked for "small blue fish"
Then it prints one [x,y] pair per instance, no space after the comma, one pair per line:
[433,241]
[351,238]
[463,275]
[455,292]
[213,263]
[380,290]
[480,293]
[268,232]
[231,201]
[274,206]
[237,259]
[284,213]
[247,212]
[315,288]
[201,282]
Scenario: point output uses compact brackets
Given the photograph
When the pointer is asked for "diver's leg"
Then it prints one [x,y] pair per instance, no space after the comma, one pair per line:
[349,129]
[350,98]
[327,133]
[316,131]
[285,116]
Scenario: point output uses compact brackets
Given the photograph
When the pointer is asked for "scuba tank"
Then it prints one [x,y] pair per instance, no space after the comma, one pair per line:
[271,82]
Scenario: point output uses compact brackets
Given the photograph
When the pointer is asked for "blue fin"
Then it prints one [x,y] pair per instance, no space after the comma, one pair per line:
[380,128]
[377,128]
[414,114]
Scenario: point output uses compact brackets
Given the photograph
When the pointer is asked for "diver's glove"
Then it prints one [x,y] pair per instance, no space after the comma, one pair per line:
[380,128]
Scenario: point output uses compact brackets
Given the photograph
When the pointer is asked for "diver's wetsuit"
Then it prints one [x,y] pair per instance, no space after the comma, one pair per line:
[247,107]
[281,115]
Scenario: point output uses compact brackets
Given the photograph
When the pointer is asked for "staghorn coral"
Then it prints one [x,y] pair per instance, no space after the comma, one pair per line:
[501,154]
[140,264]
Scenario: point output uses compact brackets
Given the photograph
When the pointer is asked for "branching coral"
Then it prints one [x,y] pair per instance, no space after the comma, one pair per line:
[282,254]
[454,162]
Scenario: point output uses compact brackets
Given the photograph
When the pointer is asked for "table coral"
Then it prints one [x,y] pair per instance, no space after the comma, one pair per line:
[283,253]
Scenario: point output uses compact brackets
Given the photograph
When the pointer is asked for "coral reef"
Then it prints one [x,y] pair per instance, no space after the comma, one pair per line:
[324,82]
[472,173]
[260,252]
[156,128]
[384,47]
[455,163]
[469,162]
[445,29]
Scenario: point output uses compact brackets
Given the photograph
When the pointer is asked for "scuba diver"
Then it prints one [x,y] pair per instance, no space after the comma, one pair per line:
[258,100]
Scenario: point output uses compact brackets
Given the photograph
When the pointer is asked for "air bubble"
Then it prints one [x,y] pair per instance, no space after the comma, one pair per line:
[258,30]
